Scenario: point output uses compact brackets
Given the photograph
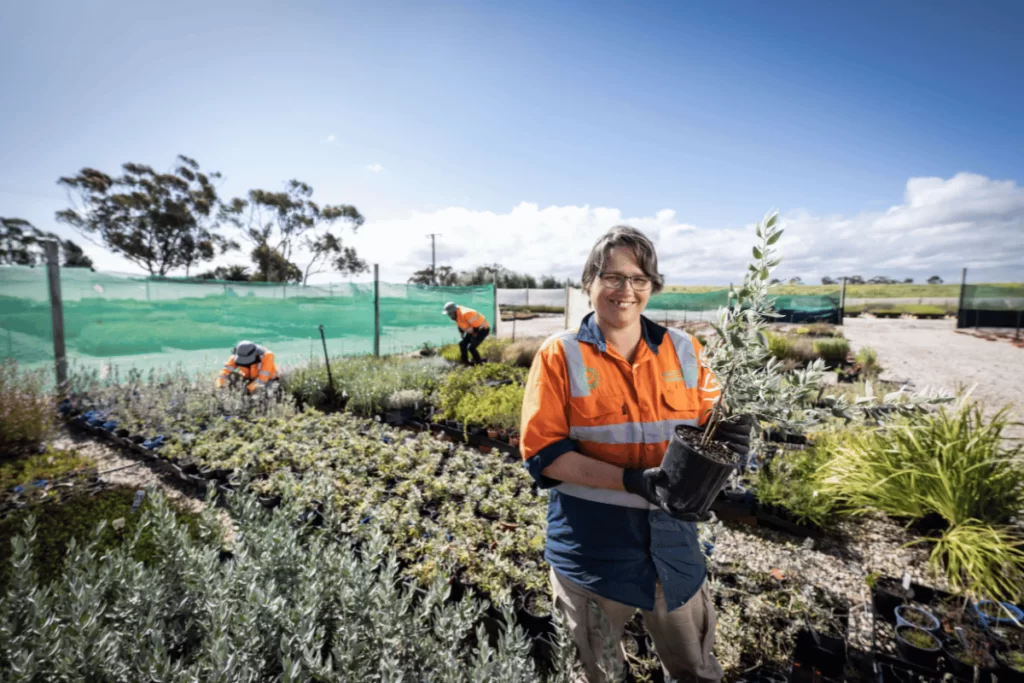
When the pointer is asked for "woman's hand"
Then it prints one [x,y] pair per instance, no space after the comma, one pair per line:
[646,482]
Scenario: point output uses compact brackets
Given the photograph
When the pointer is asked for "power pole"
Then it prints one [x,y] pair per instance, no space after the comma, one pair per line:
[433,256]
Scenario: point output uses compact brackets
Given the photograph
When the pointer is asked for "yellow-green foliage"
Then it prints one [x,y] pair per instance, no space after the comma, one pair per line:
[868,359]
[26,408]
[831,350]
[50,466]
[498,407]
[953,464]
[490,350]
[981,559]
[793,480]
[465,396]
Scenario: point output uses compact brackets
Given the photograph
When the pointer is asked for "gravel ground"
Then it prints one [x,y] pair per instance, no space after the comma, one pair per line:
[930,354]
[117,468]
[839,562]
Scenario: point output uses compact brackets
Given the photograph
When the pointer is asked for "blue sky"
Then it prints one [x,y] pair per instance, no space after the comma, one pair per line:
[716,111]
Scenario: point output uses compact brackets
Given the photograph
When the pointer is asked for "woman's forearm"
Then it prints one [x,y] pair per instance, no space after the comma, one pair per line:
[576,468]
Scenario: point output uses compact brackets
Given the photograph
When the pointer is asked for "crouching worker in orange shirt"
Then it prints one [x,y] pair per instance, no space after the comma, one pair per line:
[600,408]
[252,363]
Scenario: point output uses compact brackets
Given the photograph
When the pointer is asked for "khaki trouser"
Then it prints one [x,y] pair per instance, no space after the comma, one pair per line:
[683,637]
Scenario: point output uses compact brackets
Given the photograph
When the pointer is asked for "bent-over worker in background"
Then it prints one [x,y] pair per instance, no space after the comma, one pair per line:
[601,405]
[473,327]
[252,363]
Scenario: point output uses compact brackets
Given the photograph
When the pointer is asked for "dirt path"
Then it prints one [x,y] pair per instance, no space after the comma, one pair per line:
[929,353]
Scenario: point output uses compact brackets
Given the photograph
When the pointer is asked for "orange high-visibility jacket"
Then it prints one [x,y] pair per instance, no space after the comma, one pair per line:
[467,319]
[583,395]
[258,374]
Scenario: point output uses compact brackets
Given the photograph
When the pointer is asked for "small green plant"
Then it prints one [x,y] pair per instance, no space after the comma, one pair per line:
[26,409]
[871,579]
[473,396]
[867,357]
[50,465]
[832,351]
[793,480]
[918,638]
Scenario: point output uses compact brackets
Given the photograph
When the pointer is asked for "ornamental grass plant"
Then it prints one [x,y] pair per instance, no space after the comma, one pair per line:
[952,471]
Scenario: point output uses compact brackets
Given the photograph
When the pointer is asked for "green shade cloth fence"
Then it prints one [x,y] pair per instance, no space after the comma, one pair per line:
[792,308]
[991,306]
[159,323]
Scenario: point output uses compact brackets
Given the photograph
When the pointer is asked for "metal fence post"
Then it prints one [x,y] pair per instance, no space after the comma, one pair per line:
[376,309]
[494,292]
[842,303]
[961,321]
[56,313]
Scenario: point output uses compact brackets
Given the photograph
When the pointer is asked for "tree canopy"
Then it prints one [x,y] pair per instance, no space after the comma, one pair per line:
[159,221]
[278,224]
[21,243]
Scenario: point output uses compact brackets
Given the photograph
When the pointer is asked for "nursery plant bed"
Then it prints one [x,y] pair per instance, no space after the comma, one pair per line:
[887,594]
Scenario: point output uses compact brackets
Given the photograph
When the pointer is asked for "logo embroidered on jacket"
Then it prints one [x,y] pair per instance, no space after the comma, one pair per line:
[592,379]
[672,376]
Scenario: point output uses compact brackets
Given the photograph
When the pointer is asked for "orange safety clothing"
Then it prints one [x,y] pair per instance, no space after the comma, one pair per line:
[583,395]
[467,319]
[612,410]
[259,373]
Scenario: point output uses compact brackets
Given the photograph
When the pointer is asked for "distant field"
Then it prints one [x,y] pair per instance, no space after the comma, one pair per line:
[855,291]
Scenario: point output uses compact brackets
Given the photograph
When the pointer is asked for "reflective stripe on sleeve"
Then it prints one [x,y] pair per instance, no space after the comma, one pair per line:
[686,355]
[607,496]
[265,373]
[575,368]
[628,432]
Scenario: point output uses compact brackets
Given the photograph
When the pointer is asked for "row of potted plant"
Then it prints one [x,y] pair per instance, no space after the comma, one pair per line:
[940,632]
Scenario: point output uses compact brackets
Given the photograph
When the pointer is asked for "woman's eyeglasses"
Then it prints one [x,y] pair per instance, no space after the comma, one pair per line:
[639,283]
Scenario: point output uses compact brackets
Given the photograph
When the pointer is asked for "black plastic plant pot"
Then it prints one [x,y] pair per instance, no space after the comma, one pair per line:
[886,595]
[1011,666]
[916,616]
[965,670]
[693,479]
[825,653]
[915,652]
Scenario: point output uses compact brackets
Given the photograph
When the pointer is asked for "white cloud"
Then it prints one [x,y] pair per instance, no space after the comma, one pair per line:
[376,168]
[941,226]
[330,139]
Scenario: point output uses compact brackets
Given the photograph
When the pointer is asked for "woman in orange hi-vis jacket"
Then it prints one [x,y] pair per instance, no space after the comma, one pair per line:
[600,407]
[473,327]
[253,362]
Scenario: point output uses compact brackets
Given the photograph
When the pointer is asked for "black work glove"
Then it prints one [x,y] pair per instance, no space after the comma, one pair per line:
[644,483]
[736,432]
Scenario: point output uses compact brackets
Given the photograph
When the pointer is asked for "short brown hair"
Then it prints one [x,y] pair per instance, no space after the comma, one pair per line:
[631,238]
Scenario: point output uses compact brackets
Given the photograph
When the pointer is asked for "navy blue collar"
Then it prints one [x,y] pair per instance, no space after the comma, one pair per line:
[589,332]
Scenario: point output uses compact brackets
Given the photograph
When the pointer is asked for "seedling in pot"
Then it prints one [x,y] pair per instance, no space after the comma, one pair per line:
[917,646]
[917,617]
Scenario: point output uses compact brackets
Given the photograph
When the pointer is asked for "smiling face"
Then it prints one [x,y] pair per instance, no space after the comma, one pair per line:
[618,308]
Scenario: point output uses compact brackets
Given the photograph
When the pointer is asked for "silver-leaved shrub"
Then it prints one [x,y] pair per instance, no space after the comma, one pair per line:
[291,603]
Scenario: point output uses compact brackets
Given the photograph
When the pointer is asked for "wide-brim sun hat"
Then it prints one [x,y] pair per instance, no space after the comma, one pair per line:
[246,353]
